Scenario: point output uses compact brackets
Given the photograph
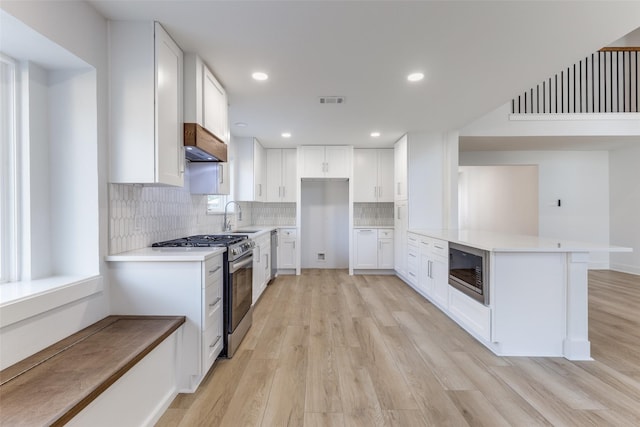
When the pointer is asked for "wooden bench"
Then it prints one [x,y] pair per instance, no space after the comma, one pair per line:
[56,384]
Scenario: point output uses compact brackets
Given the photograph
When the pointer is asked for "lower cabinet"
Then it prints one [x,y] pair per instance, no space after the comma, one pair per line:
[373,249]
[261,265]
[186,288]
[287,259]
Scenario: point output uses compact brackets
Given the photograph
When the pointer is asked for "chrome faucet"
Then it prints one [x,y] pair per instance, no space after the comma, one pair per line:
[227,223]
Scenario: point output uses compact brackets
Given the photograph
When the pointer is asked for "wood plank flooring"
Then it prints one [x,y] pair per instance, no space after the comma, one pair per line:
[327,349]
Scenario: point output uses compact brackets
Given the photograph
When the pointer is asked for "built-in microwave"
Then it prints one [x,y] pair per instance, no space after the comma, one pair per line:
[469,271]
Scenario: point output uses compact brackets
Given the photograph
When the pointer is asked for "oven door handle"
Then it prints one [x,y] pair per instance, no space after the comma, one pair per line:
[237,266]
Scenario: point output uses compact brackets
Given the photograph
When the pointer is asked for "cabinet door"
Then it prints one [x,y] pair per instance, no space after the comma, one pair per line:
[385,175]
[258,273]
[259,172]
[365,175]
[289,175]
[400,238]
[312,163]
[338,161]
[170,157]
[209,178]
[400,169]
[440,277]
[273,168]
[385,254]
[287,249]
[214,106]
[365,249]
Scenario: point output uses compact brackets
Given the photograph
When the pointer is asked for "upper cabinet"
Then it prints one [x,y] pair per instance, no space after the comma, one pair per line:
[373,175]
[332,161]
[400,169]
[249,170]
[146,110]
[205,100]
[281,175]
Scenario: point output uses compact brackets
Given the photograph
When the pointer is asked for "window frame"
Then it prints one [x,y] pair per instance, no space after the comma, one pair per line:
[9,169]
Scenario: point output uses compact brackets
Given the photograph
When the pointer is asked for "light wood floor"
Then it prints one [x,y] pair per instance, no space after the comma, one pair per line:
[326,349]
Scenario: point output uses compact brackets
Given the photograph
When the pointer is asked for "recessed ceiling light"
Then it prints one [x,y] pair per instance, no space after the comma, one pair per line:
[260,76]
[286,134]
[240,124]
[375,134]
[415,77]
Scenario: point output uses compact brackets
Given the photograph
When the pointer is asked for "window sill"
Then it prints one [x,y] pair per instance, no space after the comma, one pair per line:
[21,300]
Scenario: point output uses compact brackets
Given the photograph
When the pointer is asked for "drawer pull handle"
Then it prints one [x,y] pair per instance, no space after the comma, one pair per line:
[215,270]
[213,304]
[215,342]
[439,247]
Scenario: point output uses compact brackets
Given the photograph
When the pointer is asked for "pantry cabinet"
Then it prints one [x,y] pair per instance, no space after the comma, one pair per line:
[373,175]
[325,161]
[373,249]
[281,175]
[249,170]
[400,169]
[400,227]
[146,109]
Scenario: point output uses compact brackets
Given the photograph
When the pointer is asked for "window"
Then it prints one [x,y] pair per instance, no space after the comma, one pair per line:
[215,204]
[8,204]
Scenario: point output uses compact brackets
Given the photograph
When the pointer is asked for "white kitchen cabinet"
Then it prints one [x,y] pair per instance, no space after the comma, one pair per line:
[281,175]
[186,288]
[434,270]
[287,259]
[400,169]
[146,109]
[385,249]
[209,178]
[372,249]
[365,249]
[400,238]
[205,100]
[413,259]
[261,265]
[373,175]
[249,170]
[332,161]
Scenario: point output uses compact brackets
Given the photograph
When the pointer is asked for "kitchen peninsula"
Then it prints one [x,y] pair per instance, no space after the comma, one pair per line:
[538,293]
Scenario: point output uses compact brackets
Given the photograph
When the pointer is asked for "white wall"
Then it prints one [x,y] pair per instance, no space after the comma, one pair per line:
[624,173]
[580,179]
[325,224]
[502,199]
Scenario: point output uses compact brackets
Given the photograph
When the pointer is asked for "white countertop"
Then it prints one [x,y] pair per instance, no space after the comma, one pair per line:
[502,242]
[373,227]
[166,254]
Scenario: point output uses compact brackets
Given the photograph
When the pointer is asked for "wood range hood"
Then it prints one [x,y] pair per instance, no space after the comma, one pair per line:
[203,146]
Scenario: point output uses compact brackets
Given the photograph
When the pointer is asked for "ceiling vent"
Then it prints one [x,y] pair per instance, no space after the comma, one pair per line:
[332,99]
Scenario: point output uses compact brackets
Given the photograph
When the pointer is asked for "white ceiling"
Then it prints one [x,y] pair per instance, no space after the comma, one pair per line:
[476,55]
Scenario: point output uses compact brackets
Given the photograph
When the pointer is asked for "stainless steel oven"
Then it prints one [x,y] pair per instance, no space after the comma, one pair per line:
[238,295]
[469,271]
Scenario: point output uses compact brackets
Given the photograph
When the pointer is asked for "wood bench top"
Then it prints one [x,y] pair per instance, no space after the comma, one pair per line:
[53,385]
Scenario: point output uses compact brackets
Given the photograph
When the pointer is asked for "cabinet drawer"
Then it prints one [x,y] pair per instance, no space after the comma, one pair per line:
[287,232]
[440,248]
[212,304]
[211,345]
[413,239]
[385,233]
[212,270]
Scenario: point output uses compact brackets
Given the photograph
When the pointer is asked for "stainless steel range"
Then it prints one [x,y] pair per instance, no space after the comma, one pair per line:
[237,287]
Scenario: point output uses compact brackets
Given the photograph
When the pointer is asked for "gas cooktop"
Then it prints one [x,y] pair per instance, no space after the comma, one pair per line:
[204,240]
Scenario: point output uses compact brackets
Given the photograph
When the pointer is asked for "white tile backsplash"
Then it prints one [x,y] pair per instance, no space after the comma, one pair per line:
[141,215]
[274,213]
[373,214]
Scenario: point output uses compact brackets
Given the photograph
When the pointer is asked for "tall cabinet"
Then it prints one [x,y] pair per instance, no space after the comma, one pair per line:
[373,175]
[145,67]
[425,184]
